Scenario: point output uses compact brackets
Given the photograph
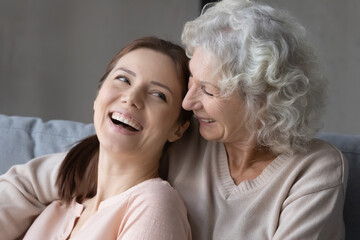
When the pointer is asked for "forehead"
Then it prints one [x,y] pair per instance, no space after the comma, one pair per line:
[151,65]
[148,62]
[203,64]
[144,56]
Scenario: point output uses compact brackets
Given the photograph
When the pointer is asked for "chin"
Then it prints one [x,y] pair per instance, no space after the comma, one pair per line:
[208,136]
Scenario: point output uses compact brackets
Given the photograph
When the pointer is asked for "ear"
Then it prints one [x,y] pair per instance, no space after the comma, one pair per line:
[94,104]
[178,131]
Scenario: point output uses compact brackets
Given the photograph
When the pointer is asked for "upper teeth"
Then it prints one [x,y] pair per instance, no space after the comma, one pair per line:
[119,117]
[207,120]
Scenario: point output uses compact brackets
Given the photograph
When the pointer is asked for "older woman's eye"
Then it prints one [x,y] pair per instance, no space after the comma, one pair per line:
[203,88]
[123,79]
[160,95]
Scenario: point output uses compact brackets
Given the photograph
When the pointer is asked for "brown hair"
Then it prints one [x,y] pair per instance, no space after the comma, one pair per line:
[77,176]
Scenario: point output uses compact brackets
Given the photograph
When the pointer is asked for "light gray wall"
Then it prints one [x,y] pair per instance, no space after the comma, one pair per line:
[52,53]
[334,28]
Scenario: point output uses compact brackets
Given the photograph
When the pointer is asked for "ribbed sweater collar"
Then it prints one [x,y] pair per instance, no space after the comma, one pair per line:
[226,184]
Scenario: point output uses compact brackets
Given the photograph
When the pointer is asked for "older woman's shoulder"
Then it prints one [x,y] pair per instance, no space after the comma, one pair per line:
[321,167]
[322,155]
[319,151]
[321,147]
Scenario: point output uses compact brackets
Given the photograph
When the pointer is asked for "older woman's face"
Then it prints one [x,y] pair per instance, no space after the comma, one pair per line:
[221,118]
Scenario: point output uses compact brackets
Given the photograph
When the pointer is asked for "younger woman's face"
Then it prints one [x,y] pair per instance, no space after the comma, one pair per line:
[138,106]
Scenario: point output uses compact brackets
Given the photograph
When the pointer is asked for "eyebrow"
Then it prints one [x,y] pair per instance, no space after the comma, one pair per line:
[162,85]
[205,82]
[152,82]
[128,71]
[211,84]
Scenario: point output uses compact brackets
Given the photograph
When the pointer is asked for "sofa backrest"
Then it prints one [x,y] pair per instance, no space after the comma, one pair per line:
[23,138]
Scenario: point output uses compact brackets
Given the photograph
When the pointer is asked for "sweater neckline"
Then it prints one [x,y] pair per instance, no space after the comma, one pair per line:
[232,191]
[116,198]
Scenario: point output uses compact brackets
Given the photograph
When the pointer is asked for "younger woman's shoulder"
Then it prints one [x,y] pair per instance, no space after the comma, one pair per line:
[158,198]
[154,210]
[156,189]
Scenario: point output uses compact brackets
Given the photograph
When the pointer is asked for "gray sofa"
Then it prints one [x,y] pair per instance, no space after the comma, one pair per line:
[23,138]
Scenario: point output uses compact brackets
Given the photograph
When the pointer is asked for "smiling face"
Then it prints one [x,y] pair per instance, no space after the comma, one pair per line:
[138,105]
[221,118]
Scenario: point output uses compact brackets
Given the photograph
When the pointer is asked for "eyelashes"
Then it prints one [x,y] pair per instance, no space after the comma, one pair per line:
[160,95]
[157,94]
[202,87]
[123,79]
[204,90]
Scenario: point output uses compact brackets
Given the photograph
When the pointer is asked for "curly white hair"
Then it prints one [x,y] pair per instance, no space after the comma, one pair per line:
[265,55]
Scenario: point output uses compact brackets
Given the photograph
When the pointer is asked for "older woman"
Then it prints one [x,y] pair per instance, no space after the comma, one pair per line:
[255,171]
[258,98]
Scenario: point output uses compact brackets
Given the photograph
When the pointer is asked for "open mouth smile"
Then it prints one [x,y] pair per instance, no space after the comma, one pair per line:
[126,122]
[205,120]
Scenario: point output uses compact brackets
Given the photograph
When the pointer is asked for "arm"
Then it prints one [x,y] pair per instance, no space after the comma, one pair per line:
[25,191]
[314,206]
[317,215]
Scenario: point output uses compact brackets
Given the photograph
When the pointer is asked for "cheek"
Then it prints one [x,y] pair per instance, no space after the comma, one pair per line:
[214,107]
[105,95]
[169,117]
[101,104]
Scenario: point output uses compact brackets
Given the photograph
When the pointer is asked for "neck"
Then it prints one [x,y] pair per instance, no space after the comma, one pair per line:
[118,173]
[247,160]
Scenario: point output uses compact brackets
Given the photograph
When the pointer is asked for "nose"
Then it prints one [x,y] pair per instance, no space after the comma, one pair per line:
[133,98]
[191,101]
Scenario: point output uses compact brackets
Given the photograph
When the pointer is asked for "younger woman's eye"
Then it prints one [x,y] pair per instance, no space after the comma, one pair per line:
[160,95]
[123,79]
[203,88]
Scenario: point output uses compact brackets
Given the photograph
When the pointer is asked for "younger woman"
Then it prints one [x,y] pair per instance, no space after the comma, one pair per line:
[108,184]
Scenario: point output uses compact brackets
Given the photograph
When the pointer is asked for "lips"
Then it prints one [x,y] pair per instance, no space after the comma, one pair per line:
[125,121]
[205,120]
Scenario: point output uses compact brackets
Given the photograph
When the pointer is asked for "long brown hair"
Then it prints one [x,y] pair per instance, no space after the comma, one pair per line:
[77,176]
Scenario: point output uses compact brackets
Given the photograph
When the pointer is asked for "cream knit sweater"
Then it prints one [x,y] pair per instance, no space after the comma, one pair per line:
[295,197]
